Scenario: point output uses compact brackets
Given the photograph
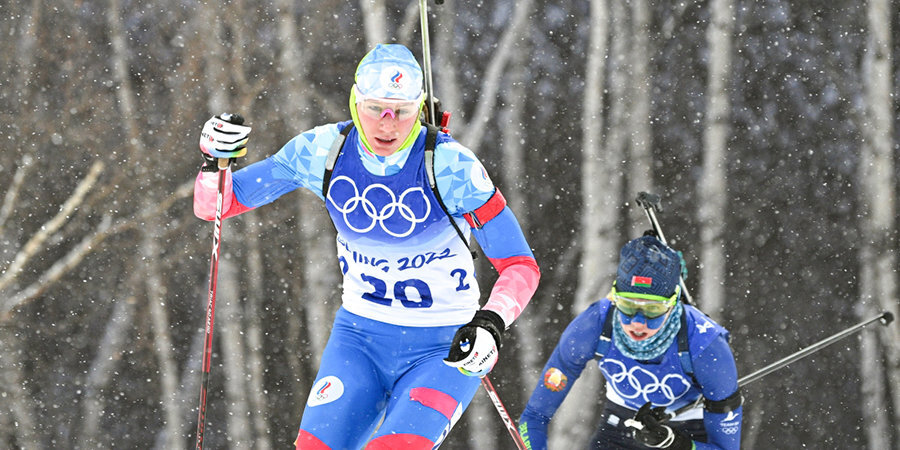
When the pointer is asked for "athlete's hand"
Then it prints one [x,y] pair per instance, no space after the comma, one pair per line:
[650,431]
[474,350]
[223,136]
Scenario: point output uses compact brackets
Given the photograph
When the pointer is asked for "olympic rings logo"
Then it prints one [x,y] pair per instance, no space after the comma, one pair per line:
[641,382]
[371,203]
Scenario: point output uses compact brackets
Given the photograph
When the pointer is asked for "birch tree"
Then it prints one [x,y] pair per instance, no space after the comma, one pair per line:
[150,235]
[600,186]
[374,17]
[514,178]
[319,298]
[878,278]
[712,192]
[486,103]
[639,176]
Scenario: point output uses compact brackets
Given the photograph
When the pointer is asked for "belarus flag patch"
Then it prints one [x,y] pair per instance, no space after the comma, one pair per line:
[641,281]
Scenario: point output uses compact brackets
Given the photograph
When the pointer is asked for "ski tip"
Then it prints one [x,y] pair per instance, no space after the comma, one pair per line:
[887,318]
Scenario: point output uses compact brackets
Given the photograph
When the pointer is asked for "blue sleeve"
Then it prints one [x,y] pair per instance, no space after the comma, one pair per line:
[533,429]
[502,237]
[299,163]
[575,349]
[715,370]
[262,182]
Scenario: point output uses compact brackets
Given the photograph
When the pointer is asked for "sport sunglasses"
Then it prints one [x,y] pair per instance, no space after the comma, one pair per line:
[652,306]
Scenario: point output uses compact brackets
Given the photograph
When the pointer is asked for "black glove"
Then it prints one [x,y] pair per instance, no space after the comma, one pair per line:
[650,431]
[474,350]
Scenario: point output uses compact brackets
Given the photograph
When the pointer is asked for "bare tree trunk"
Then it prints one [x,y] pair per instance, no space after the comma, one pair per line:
[712,190]
[599,185]
[319,296]
[231,338]
[316,234]
[874,393]
[574,422]
[156,299]
[18,420]
[878,279]
[640,157]
[187,392]
[16,396]
[513,176]
[374,17]
[477,416]
[103,367]
[256,363]
[493,75]
[154,283]
[446,84]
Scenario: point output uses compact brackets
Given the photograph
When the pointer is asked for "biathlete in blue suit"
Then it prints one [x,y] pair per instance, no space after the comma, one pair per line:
[411,339]
[656,354]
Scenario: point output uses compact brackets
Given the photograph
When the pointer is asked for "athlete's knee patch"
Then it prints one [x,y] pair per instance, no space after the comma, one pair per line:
[400,441]
[306,441]
[435,399]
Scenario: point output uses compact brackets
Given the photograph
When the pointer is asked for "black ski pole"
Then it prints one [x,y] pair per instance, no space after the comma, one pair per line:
[223,164]
[886,318]
[651,203]
[426,59]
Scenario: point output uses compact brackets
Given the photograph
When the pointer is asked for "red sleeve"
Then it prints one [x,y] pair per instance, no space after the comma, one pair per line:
[516,284]
[206,187]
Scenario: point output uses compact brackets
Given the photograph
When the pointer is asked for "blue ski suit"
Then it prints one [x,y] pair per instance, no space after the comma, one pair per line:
[630,383]
[408,280]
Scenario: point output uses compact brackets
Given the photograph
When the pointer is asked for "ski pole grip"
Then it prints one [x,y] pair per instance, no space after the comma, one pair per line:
[649,201]
[236,119]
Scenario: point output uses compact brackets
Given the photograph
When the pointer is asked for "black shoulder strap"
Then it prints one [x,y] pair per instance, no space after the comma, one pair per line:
[606,335]
[332,157]
[684,348]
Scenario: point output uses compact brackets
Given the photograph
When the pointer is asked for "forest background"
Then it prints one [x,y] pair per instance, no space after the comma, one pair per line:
[768,127]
